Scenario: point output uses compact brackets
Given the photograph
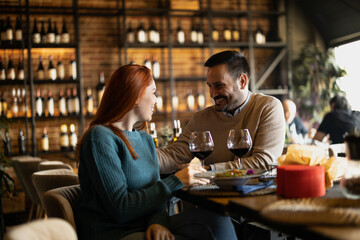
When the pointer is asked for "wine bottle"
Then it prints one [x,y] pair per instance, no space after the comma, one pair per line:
[60,70]
[175,101]
[21,142]
[193,33]
[159,103]
[200,100]
[21,104]
[50,33]
[227,34]
[43,33]
[56,33]
[21,71]
[75,102]
[69,104]
[180,34]
[176,130]
[14,105]
[100,87]
[200,34]
[50,104]
[147,63]
[9,31]
[156,68]
[51,70]
[130,35]
[2,31]
[235,34]
[190,101]
[4,105]
[10,69]
[65,36]
[72,68]
[2,70]
[40,71]
[89,102]
[215,34]
[18,30]
[7,143]
[259,35]
[73,138]
[64,138]
[62,103]
[24,108]
[39,101]
[141,34]
[45,141]
[36,38]
[153,134]
[152,33]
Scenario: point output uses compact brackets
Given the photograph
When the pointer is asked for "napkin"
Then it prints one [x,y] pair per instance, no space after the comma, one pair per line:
[246,189]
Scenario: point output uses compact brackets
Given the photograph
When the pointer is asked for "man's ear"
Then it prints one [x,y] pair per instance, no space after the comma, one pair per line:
[243,81]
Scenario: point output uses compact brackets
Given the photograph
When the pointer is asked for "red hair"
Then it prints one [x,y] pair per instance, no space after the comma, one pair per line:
[126,85]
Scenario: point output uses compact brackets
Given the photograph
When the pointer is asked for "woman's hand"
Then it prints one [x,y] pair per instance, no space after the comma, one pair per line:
[186,175]
[158,232]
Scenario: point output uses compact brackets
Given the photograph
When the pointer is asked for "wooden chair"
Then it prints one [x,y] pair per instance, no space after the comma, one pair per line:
[61,202]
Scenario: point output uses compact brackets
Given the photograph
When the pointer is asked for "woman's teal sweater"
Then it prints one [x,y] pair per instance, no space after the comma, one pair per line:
[120,195]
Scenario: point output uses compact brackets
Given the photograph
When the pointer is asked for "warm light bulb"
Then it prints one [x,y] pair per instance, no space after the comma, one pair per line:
[63,128]
[72,128]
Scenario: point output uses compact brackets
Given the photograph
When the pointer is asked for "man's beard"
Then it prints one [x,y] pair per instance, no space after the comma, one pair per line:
[221,107]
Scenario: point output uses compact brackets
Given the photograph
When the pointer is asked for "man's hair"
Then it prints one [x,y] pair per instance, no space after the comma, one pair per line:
[340,102]
[235,61]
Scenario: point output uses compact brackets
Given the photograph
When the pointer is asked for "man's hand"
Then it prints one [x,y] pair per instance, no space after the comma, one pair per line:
[158,232]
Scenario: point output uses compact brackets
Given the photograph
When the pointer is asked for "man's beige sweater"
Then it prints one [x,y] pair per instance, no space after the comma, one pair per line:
[262,115]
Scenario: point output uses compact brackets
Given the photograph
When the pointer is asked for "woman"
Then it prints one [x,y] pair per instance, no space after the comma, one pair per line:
[122,195]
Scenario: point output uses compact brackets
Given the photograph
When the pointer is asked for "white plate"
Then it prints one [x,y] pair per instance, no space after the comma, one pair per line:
[229,182]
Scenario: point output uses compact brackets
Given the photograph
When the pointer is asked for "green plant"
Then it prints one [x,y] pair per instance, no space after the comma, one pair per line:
[7,183]
[315,76]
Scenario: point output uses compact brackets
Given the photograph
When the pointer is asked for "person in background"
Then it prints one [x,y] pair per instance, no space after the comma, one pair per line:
[235,107]
[295,130]
[122,195]
[339,121]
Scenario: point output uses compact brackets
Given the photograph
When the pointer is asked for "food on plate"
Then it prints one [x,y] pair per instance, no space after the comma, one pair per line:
[235,173]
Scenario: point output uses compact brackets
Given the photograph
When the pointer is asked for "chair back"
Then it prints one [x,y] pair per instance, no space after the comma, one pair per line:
[47,165]
[61,202]
[24,167]
[43,229]
[50,179]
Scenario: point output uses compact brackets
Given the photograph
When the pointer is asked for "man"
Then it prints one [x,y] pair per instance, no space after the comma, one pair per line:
[339,121]
[235,107]
[295,130]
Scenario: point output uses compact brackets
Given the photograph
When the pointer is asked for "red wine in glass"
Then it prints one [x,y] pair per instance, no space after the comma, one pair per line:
[239,143]
[201,145]
[201,154]
[240,152]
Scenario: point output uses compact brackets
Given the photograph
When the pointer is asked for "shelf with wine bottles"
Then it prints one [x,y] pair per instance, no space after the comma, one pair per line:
[11,82]
[147,45]
[14,45]
[56,81]
[54,45]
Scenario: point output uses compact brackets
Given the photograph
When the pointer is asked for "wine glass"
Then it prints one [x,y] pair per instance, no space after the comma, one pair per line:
[201,145]
[239,143]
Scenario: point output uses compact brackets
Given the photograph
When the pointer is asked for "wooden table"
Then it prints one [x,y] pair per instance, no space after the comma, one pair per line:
[250,207]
